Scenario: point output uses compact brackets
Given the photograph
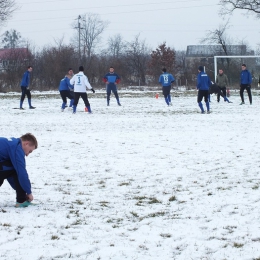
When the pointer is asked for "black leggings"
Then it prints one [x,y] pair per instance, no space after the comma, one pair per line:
[25,92]
[166,91]
[222,91]
[83,95]
[248,89]
[201,94]
[66,94]
[20,193]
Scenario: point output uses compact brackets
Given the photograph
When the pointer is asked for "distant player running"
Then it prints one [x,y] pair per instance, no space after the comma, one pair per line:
[166,79]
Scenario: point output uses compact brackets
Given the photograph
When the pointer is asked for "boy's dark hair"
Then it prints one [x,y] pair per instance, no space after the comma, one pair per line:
[200,68]
[164,69]
[70,69]
[29,67]
[81,68]
[111,67]
[30,138]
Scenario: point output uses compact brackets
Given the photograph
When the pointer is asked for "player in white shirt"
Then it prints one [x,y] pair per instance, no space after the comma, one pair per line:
[80,82]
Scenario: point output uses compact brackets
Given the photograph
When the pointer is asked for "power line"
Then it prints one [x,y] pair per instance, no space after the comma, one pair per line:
[112,6]
[126,12]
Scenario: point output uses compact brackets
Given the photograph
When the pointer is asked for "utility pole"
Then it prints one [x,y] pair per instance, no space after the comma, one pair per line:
[79,28]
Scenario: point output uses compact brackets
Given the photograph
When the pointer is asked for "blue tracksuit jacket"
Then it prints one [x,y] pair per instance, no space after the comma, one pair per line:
[203,81]
[26,79]
[111,78]
[11,150]
[65,84]
[245,77]
[166,79]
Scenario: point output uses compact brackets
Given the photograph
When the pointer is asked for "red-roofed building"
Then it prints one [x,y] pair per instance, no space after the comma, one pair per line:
[14,57]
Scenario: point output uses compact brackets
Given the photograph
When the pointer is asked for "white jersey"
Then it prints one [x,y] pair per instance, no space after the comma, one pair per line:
[80,82]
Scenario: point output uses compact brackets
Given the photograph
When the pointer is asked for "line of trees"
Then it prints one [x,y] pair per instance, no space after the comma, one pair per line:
[134,61]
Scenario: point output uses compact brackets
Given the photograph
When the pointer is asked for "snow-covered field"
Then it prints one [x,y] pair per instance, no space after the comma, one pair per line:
[141,181]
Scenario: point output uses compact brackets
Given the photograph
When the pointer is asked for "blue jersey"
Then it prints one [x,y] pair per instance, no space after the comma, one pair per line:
[65,84]
[111,79]
[11,150]
[203,81]
[245,77]
[166,79]
[26,79]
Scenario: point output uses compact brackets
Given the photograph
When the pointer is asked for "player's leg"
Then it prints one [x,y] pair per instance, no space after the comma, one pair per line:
[64,99]
[108,94]
[206,96]
[165,91]
[8,172]
[22,96]
[76,101]
[114,90]
[71,97]
[84,96]
[29,97]
[199,99]
[242,88]
[248,89]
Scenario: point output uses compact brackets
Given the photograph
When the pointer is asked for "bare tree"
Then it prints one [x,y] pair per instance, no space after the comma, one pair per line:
[137,57]
[219,37]
[229,6]
[92,28]
[7,7]
[116,45]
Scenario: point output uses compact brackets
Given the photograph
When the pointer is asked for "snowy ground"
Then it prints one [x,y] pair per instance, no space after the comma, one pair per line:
[141,181]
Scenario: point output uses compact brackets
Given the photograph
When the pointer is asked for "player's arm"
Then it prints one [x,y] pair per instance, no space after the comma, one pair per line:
[72,81]
[117,79]
[105,79]
[173,79]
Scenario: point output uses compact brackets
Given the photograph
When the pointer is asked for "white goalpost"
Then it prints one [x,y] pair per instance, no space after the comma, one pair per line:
[229,56]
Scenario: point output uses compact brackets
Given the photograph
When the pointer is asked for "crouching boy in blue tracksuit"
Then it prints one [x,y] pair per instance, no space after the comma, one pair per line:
[203,84]
[13,168]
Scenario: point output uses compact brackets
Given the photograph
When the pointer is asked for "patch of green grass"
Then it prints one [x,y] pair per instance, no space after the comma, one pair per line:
[256,187]
[104,203]
[6,225]
[167,235]
[238,245]
[172,198]
[134,214]
[153,200]
[124,184]
[79,202]
[54,237]
[77,222]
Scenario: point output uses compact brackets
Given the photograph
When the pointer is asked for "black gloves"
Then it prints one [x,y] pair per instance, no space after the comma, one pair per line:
[93,90]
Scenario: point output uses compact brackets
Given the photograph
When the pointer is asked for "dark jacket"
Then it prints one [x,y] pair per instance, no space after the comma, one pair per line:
[245,77]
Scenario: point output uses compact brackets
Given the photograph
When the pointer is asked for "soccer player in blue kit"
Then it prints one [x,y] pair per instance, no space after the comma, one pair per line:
[112,79]
[166,79]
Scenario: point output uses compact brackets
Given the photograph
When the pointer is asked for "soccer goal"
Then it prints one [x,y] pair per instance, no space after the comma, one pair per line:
[253,65]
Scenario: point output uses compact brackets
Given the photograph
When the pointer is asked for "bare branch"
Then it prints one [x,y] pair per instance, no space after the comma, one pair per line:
[7,7]
[229,6]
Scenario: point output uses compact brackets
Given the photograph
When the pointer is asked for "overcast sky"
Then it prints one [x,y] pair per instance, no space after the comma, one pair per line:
[179,23]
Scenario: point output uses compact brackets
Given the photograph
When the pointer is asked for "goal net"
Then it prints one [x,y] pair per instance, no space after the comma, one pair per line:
[232,68]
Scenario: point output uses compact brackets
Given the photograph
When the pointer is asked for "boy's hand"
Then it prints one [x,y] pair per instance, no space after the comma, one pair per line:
[30,197]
